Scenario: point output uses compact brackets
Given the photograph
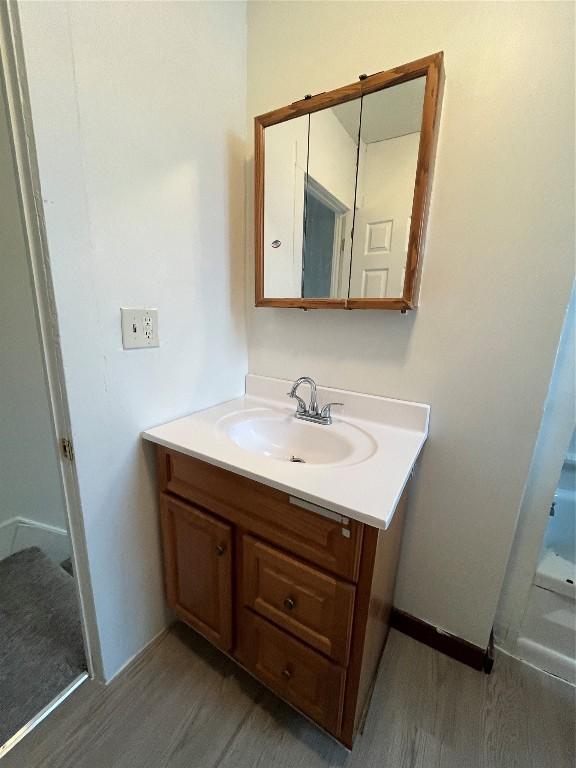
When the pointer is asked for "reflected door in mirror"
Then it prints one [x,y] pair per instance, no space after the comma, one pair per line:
[389,144]
[284,180]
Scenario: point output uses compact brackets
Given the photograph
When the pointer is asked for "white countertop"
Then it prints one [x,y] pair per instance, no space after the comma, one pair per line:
[367,491]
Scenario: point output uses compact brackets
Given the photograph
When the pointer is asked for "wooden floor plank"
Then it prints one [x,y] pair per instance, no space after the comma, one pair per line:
[185,705]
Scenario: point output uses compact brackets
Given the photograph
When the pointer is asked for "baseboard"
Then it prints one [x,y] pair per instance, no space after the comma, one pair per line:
[547,659]
[521,660]
[457,648]
[136,658]
[18,533]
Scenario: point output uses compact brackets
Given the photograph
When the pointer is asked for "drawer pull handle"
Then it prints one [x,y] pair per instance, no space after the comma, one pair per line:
[220,550]
[287,672]
[288,603]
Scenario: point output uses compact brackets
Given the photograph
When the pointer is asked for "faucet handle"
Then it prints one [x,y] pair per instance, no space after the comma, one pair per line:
[325,412]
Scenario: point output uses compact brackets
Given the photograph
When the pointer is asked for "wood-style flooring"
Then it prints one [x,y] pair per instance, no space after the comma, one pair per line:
[184,705]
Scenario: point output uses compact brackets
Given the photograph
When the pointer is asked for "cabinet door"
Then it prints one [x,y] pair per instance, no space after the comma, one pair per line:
[197,563]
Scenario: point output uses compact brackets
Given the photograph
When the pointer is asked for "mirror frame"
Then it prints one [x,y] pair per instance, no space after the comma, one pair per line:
[430,67]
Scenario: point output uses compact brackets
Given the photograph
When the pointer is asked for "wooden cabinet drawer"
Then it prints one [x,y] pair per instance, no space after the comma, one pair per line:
[312,605]
[197,566]
[331,542]
[298,674]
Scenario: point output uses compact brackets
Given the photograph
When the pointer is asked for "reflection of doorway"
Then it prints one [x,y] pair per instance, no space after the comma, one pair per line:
[318,248]
[324,240]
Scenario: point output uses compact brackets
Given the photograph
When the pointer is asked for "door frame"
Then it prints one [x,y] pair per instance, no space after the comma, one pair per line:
[14,88]
[340,213]
[554,435]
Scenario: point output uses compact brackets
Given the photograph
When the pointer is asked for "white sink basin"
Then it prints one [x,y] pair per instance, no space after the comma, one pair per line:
[282,437]
[357,466]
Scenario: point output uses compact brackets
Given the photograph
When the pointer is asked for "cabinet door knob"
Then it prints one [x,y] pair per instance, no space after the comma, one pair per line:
[220,550]
[287,672]
[288,603]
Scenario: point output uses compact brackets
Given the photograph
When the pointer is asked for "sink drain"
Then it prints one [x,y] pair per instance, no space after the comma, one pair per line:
[297,460]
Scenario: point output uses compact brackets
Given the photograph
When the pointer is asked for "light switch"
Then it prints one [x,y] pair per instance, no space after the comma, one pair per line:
[139,328]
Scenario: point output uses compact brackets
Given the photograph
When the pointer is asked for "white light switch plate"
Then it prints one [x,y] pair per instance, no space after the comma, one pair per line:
[139,328]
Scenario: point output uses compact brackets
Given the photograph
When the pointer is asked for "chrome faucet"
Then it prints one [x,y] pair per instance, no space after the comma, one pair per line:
[310,412]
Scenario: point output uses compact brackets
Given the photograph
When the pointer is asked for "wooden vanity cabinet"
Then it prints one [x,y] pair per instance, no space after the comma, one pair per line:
[300,598]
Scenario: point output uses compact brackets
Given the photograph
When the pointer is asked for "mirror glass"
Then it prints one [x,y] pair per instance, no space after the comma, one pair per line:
[309,182]
[329,200]
[285,161]
[338,192]
[389,142]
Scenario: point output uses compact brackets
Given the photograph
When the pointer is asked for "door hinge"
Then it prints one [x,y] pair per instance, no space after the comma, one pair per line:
[67,449]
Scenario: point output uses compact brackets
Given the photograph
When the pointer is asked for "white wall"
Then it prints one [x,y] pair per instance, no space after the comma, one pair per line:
[329,139]
[29,476]
[140,121]
[497,269]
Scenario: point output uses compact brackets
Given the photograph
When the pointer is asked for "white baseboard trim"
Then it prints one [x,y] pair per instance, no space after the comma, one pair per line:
[550,661]
[18,533]
[541,662]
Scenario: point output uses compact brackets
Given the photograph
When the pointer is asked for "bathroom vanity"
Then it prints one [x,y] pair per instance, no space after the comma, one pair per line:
[289,566]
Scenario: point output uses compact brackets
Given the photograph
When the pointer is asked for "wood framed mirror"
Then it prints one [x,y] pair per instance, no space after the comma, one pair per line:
[342,187]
